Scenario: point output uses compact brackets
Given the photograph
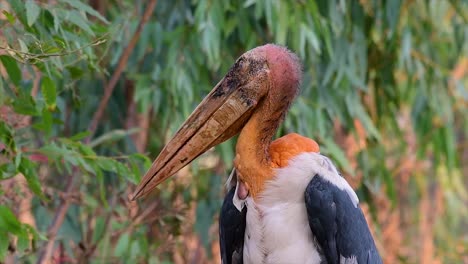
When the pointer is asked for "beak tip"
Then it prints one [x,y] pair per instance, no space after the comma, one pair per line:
[135,195]
[131,197]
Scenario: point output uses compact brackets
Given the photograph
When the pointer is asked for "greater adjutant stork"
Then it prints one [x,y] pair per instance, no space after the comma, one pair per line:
[287,202]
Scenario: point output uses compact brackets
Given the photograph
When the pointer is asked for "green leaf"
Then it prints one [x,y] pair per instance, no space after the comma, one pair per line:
[58,153]
[139,165]
[125,171]
[102,187]
[52,50]
[6,136]
[49,91]
[122,245]
[18,7]
[75,72]
[77,19]
[11,18]
[113,136]
[86,150]
[8,221]
[83,7]
[108,164]
[4,243]
[81,135]
[18,159]
[14,72]
[23,46]
[99,229]
[32,12]
[390,186]
[311,37]
[7,170]
[29,170]
[34,233]
[23,240]
[25,105]
[46,121]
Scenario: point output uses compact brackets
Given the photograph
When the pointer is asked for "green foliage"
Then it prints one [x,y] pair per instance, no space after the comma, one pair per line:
[10,226]
[388,65]
[54,45]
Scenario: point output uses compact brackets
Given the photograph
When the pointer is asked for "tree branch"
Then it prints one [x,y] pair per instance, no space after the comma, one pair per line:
[120,67]
[46,252]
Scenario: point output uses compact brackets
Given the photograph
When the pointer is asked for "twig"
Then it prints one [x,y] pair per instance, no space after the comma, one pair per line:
[89,250]
[32,56]
[138,220]
[46,252]
[120,67]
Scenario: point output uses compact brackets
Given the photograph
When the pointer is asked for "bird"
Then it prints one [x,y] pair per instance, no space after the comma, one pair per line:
[286,203]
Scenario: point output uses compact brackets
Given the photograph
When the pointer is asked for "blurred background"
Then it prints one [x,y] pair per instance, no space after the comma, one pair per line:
[91,90]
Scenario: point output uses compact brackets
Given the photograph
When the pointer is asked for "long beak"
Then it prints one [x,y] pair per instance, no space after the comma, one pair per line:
[220,116]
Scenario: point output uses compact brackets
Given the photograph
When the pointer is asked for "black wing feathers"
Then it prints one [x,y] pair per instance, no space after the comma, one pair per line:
[339,227]
[231,231]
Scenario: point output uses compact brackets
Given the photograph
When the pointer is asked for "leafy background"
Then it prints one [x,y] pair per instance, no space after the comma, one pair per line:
[90,92]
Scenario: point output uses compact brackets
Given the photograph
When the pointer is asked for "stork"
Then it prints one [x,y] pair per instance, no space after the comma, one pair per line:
[287,203]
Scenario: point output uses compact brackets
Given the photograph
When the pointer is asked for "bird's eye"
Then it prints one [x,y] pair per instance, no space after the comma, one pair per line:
[240,62]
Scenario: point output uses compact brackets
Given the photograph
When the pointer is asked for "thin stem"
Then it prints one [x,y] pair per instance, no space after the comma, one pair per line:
[46,252]
[120,67]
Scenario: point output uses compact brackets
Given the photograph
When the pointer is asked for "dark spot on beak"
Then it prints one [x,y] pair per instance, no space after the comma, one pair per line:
[245,97]
[230,83]
[239,74]
[232,80]
[183,160]
[219,92]
[255,66]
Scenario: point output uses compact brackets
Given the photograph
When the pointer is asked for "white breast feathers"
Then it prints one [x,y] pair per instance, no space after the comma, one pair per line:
[277,225]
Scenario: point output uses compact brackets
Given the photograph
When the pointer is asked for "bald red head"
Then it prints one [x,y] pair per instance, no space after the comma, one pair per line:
[285,67]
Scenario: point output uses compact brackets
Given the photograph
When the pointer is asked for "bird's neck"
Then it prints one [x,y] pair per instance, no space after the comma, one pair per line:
[253,162]
[257,156]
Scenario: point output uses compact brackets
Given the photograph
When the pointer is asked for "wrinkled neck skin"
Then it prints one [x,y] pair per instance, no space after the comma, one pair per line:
[253,162]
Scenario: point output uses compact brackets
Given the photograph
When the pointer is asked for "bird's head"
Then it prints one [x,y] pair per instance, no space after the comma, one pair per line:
[260,86]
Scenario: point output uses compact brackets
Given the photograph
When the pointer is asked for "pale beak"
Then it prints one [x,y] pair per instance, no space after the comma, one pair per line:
[220,116]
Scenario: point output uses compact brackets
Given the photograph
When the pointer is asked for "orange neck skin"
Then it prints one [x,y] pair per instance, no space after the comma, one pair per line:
[253,162]
[257,157]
